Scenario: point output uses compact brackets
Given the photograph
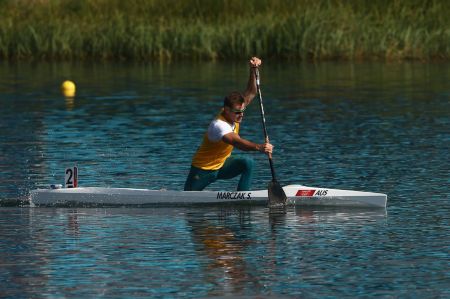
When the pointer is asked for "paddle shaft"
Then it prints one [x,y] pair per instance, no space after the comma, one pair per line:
[261,106]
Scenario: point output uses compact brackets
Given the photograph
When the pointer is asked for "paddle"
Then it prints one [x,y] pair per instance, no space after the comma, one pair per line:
[277,197]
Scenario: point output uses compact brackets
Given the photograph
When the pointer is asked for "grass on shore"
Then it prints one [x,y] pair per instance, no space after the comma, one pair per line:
[224,29]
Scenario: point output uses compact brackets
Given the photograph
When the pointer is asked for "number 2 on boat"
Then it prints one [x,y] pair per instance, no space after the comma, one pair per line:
[71,178]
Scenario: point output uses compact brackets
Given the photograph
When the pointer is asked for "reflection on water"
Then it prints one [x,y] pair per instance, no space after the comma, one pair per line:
[217,251]
[224,247]
[192,252]
[374,127]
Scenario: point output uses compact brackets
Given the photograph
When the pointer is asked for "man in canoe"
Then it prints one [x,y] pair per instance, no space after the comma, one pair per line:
[213,160]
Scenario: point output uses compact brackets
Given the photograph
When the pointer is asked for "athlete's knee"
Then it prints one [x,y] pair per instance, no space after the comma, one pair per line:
[194,183]
[187,186]
[248,163]
[199,179]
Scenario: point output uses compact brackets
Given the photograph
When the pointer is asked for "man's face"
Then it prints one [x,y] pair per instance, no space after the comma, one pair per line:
[236,113]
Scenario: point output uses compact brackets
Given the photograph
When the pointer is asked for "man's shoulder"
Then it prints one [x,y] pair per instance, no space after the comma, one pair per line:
[218,128]
[219,123]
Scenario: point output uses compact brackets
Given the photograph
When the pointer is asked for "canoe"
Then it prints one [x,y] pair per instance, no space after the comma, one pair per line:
[297,195]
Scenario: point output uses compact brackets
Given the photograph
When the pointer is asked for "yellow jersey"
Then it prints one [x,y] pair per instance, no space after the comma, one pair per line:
[211,154]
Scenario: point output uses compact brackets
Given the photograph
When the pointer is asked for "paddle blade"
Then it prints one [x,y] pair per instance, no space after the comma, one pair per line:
[277,197]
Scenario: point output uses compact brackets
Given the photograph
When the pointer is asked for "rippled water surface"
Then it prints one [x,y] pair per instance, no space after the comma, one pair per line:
[369,127]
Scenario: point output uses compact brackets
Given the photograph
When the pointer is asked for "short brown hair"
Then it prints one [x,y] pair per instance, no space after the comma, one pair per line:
[233,98]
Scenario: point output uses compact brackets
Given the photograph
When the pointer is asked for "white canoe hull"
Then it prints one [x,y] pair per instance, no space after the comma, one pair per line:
[297,195]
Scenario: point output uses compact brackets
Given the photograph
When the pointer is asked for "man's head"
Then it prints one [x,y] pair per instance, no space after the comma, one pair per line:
[234,107]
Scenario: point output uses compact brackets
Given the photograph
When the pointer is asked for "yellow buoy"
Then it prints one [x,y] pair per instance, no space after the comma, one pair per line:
[68,89]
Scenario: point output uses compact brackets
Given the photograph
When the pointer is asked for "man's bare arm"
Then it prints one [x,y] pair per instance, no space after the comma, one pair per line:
[246,145]
[250,92]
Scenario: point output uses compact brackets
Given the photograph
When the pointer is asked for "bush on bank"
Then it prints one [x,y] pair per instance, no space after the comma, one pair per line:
[218,29]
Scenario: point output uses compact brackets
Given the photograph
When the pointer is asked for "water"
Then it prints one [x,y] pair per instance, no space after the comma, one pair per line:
[374,127]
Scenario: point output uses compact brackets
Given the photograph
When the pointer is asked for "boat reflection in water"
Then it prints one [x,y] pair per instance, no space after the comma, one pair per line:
[226,241]
[221,242]
[208,250]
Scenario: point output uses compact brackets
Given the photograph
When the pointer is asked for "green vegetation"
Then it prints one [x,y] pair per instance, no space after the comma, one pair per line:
[218,29]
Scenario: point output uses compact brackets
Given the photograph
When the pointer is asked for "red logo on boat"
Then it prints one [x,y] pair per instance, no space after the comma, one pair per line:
[305,192]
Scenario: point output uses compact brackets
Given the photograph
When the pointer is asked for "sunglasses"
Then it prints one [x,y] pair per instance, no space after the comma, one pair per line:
[238,111]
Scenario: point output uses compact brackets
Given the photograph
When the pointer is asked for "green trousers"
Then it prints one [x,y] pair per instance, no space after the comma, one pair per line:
[198,179]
